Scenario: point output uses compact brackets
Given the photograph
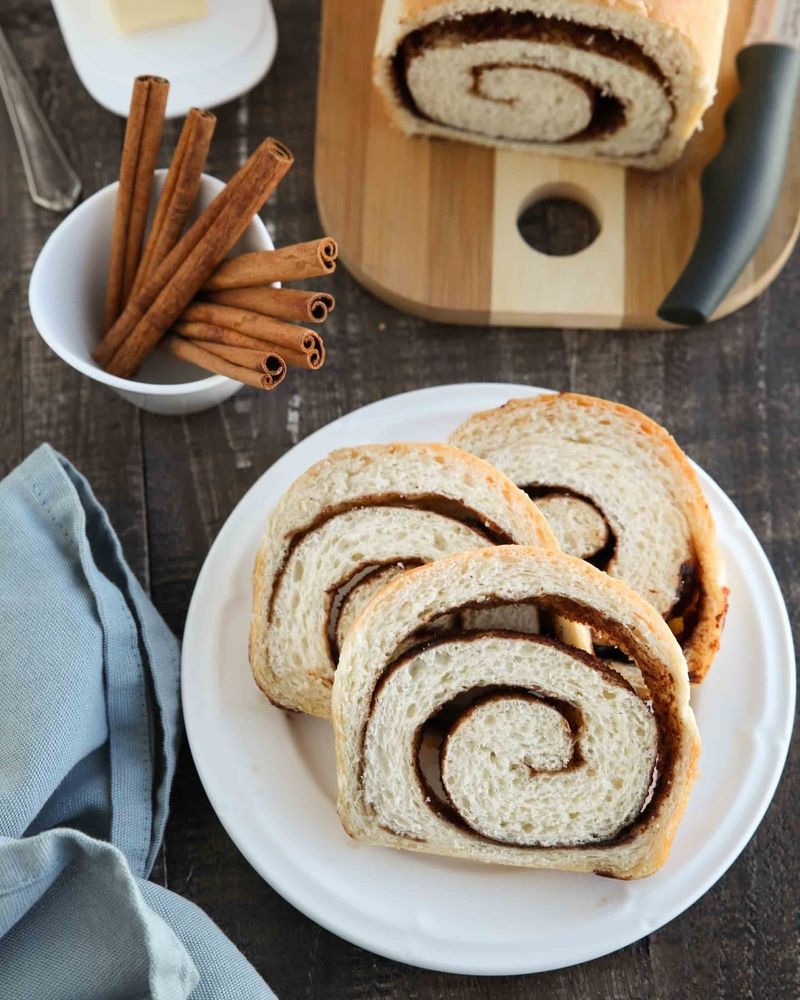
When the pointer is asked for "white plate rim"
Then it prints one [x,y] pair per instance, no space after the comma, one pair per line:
[310,902]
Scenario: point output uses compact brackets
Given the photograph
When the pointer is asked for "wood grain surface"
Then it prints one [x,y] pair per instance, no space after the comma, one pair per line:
[431,226]
[730,393]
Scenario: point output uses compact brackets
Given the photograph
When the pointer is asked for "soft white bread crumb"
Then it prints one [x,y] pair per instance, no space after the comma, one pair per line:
[554,763]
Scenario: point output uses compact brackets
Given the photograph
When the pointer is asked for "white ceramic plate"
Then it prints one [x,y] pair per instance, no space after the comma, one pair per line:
[271,778]
[207,62]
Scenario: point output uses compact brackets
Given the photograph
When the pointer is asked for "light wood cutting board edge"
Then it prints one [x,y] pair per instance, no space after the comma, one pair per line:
[390,200]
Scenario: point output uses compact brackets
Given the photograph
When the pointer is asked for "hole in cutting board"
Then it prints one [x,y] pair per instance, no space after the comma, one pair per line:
[558,224]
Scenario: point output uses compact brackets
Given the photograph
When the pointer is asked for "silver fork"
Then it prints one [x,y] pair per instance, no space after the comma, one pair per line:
[52,180]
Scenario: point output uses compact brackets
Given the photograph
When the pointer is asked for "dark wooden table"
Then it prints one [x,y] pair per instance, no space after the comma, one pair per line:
[729,393]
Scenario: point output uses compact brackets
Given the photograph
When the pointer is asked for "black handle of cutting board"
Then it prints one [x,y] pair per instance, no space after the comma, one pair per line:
[740,187]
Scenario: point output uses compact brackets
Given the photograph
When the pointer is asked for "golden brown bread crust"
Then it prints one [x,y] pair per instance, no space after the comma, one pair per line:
[698,20]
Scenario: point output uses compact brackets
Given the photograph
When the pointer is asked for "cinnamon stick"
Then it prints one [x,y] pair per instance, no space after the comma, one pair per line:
[168,290]
[274,371]
[139,151]
[303,260]
[311,360]
[146,295]
[197,355]
[264,328]
[208,333]
[179,192]
[282,303]
[256,359]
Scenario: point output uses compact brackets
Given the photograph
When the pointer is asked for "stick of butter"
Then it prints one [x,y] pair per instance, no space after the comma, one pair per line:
[139,15]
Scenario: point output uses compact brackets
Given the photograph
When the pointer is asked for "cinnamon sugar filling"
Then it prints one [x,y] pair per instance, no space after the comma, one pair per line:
[684,614]
[437,729]
[609,112]
[433,502]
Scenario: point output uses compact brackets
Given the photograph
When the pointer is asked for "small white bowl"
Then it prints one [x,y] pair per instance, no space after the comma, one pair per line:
[66,297]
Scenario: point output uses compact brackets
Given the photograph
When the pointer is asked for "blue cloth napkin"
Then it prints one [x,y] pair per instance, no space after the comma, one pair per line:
[89,726]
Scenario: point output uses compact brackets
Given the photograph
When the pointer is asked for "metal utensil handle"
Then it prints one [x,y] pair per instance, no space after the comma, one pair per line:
[52,181]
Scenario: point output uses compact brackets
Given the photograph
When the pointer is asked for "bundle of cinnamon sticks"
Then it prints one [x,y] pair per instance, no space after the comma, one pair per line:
[176,290]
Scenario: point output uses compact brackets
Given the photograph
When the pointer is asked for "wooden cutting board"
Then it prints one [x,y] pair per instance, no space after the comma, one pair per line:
[431,226]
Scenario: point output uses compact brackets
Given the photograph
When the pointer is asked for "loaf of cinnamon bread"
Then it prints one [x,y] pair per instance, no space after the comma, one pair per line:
[626,80]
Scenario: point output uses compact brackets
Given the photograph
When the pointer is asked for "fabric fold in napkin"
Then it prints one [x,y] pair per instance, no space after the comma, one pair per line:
[89,675]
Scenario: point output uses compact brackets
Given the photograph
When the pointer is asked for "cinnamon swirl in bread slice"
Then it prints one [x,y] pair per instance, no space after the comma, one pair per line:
[349,525]
[546,758]
[619,492]
[618,79]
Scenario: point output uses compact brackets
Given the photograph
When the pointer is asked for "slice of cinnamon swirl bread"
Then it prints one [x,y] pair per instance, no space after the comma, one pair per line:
[500,746]
[619,492]
[350,524]
[618,79]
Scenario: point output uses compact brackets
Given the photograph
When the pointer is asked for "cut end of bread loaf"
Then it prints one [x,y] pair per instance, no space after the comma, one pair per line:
[502,746]
[624,81]
[618,491]
[348,525]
